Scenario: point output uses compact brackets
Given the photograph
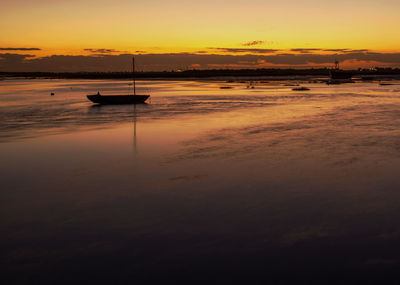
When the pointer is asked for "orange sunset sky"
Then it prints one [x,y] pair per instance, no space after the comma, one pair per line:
[88,35]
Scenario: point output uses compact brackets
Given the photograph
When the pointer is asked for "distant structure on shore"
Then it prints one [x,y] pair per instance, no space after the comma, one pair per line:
[338,74]
[207,73]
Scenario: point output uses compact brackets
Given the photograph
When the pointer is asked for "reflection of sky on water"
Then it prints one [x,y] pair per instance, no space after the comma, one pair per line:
[70,110]
[231,184]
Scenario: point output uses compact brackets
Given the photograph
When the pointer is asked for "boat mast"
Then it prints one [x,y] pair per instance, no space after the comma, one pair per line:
[133,75]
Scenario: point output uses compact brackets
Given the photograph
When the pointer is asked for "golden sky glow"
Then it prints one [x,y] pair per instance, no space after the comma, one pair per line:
[171,26]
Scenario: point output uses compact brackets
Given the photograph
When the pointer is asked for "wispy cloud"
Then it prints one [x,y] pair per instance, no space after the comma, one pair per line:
[305,50]
[338,50]
[17,49]
[101,50]
[346,50]
[316,50]
[253,43]
[246,50]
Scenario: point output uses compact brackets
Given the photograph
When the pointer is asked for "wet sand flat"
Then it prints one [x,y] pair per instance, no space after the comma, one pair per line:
[201,185]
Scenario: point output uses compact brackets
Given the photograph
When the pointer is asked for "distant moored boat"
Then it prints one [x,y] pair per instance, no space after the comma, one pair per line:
[120,99]
[301,89]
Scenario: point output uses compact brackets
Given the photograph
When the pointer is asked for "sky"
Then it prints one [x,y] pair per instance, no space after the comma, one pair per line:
[88,35]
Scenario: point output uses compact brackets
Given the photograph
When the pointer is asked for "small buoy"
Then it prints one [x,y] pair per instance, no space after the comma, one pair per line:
[52,94]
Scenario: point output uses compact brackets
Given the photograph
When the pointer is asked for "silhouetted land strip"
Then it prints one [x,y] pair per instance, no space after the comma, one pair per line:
[209,73]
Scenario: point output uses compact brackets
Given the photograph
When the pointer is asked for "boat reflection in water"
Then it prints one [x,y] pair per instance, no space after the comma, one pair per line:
[122,115]
[120,99]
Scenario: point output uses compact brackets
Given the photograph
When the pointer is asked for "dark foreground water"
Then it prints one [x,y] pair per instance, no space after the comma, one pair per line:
[201,186]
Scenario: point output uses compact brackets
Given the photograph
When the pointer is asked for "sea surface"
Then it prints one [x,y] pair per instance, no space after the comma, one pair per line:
[202,185]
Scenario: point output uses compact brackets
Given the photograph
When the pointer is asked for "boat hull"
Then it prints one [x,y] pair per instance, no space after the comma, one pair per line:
[117,99]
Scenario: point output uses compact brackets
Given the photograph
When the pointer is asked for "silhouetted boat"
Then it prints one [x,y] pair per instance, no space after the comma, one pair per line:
[339,81]
[120,99]
[339,74]
[117,99]
[301,89]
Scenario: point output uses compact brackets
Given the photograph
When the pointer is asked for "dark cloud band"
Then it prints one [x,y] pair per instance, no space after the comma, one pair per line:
[16,49]
[168,61]
[101,50]
[246,50]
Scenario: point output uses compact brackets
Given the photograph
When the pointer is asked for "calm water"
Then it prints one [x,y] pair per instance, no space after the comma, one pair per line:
[202,185]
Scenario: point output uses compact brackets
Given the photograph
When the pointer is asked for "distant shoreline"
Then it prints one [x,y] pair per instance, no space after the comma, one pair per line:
[272,74]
